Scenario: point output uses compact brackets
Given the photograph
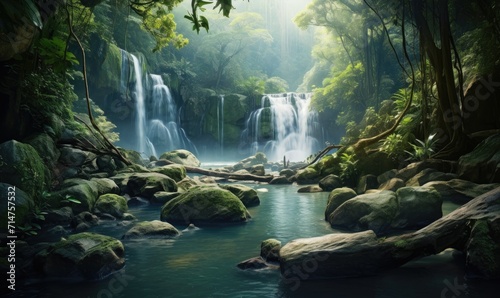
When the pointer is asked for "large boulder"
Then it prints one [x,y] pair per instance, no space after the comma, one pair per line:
[74,157]
[308,175]
[374,211]
[86,256]
[152,229]
[24,205]
[147,184]
[182,157]
[247,195]
[22,167]
[175,171]
[112,204]
[84,191]
[482,165]
[483,250]
[269,250]
[105,186]
[336,198]
[46,148]
[428,175]
[418,207]
[413,169]
[330,182]
[459,191]
[203,205]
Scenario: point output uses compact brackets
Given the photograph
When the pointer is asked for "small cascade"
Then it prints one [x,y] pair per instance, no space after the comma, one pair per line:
[283,126]
[220,113]
[156,122]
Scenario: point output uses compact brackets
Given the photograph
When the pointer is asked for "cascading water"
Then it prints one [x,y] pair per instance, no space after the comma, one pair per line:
[283,126]
[220,117]
[157,124]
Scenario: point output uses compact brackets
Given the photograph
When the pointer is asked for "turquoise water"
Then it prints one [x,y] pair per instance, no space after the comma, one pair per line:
[202,263]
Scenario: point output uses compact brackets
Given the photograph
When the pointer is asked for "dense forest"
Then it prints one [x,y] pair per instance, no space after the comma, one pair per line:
[385,112]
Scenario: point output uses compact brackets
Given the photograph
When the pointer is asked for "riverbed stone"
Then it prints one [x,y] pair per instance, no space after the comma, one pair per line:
[336,198]
[147,184]
[182,157]
[330,182]
[205,205]
[256,263]
[83,256]
[151,229]
[308,175]
[418,207]
[310,189]
[269,250]
[86,193]
[247,195]
[373,211]
[280,180]
[482,165]
[112,204]
[392,184]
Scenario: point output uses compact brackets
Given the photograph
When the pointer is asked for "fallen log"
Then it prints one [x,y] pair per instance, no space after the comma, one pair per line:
[473,229]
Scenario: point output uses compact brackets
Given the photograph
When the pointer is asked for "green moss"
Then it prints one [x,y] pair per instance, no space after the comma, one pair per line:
[112,204]
[109,68]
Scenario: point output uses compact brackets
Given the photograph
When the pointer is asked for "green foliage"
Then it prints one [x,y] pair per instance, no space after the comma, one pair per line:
[253,86]
[348,170]
[18,12]
[107,127]
[423,150]
[394,145]
[55,54]
[159,22]
[276,85]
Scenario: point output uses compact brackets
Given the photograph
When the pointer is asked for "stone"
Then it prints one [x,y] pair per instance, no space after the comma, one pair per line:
[73,157]
[287,173]
[105,186]
[85,218]
[86,193]
[310,189]
[176,172]
[255,264]
[280,180]
[413,169]
[182,157]
[24,205]
[162,197]
[418,207]
[106,163]
[269,250]
[83,256]
[247,195]
[151,229]
[386,176]
[428,175]
[392,184]
[483,250]
[46,148]
[205,205]
[23,168]
[147,184]
[186,184]
[308,175]
[459,191]
[374,211]
[112,204]
[330,182]
[336,198]
[62,215]
[482,165]
[367,182]
[257,170]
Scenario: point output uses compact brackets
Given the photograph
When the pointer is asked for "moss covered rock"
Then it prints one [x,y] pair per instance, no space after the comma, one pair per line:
[182,157]
[46,148]
[147,184]
[113,204]
[269,250]
[202,205]
[483,250]
[308,175]
[176,172]
[336,198]
[152,229]
[482,165]
[418,207]
[247,195]
[21,166]
[86,256]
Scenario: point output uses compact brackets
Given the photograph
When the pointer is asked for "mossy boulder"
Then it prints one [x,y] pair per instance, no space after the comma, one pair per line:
[46,148]
[176,172]
[187,183]
[74,157]
[308,175]
[21,166]
[418,207]
[428,175]
[147,184]
[132,156]
[460,191]
[105,185]
[374,211]
[482,165]
[22,201]
[269,250]
[204,205]
[336,198]
[330,182]
[483,250]
[112,204]
[83,256]
[182,157]
[247,195]
[152,229]
[85,191]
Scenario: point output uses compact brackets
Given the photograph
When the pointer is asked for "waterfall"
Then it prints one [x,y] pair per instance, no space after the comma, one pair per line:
[221,128]
[156,122]
[283,126]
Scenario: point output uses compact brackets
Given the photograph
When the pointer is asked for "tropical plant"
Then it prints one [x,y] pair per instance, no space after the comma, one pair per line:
[423,150]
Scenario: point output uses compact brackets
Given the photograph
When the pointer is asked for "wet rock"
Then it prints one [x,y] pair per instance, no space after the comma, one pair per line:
[392,184]
[269,250]
[84,220]
[280,180]
[330,182]
[247,195]
[73,157]
[63,215]
[128,216]
[459,191]
[147,184]
[367,182]
[287,173]
[46,148]
[106,163]
[482,165]
[83,256]
[202,205]
[255,264]
[310,189]
[418,207]
[182,157]
[112,204]
[151,229]
[176,172]
[428,175]
[257,170]
[336,198]
[105,186]
[308,175]
[413,169]
[163,197]
[483,250]
[187,183]
[386,176]
[373,211]
[86,193]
